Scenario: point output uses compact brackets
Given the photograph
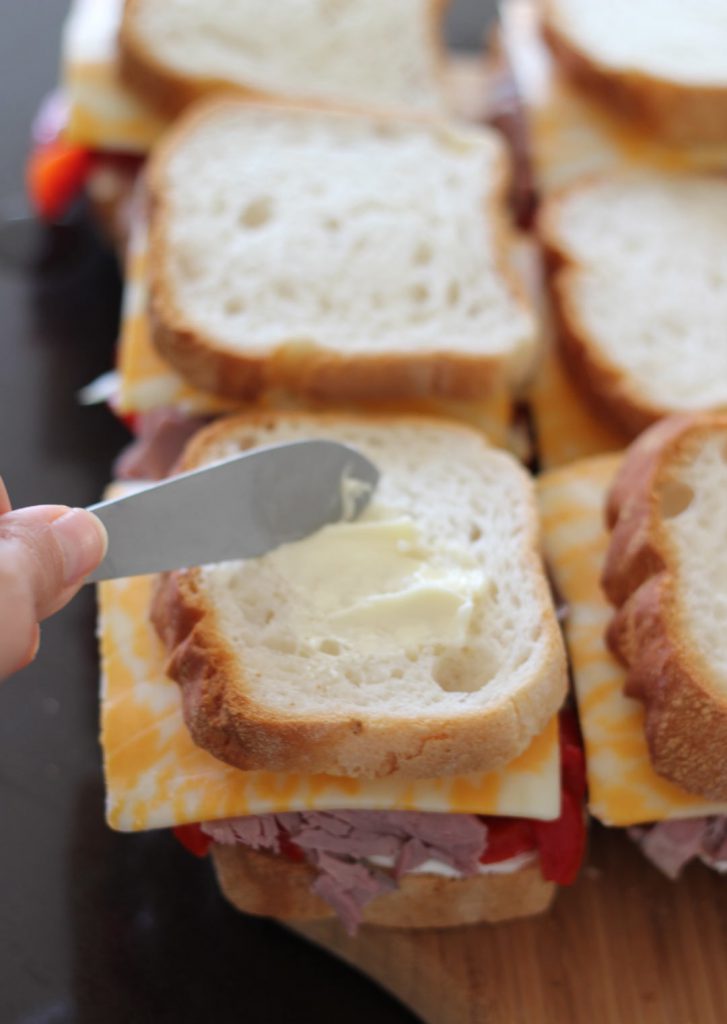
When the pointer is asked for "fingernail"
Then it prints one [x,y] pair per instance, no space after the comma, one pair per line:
[83,541]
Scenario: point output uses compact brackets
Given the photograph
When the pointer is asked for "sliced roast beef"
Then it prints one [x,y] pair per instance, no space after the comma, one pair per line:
[671,845]
[340,846]
[160,439]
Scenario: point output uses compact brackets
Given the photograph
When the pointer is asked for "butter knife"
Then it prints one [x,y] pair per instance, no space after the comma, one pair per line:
[238,508]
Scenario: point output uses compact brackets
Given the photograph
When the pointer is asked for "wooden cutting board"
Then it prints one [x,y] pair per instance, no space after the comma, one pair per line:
[622,946]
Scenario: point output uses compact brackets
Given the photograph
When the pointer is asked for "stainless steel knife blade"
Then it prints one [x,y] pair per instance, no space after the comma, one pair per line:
[238,508]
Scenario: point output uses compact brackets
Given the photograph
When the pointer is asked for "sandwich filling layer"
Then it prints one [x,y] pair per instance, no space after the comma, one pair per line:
[359,855]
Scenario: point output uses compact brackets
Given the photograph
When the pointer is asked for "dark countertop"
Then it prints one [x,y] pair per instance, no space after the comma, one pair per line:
[94,926]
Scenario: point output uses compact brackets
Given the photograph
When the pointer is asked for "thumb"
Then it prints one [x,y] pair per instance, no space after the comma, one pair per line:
[45,553]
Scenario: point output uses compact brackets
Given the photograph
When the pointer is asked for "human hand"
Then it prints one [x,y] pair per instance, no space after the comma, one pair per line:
[45,553]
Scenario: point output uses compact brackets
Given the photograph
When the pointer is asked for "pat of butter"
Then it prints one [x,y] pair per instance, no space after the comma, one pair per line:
[377,576]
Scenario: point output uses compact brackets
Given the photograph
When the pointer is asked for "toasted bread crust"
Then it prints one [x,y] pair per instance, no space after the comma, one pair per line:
[226,721]
[170,92]
[604,384]
[316,372]
[270,886]
[685,715]
[677,113]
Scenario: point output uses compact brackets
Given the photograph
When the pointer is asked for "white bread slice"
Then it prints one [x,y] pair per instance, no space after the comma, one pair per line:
[666,572]
[271,886]
[337,255]
[640,292]
[276,675]
[658,63]
[352,53]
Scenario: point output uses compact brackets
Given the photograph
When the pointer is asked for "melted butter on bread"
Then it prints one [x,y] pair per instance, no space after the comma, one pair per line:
[376,576]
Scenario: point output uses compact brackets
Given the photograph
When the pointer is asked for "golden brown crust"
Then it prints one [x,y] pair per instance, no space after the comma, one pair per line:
[677,113]
[170,92]
[223,719]
[605,385]
[310,371]
[685,713]
[270,886]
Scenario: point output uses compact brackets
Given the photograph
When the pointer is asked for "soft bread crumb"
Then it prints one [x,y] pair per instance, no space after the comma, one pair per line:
[643,290]
[335,244]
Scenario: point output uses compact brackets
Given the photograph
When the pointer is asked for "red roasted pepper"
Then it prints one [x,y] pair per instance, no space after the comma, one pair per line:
[193,839]
[506,838]
[197,842]
[55,174]
[560,843]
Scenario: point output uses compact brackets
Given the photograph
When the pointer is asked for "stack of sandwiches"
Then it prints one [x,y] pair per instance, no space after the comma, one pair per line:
[363,720]
[367,722]
[627,128]
[644,633]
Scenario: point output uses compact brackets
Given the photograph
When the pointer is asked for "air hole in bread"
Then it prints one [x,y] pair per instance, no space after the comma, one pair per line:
[676,498]
[457,674]
[330,646]
[189,264]
[412,655]
[234,305]
[419,293]
[257,213]
[453,293]
[285,290]
[282,644]
[475,533]
[332,224]
[385,130]
[397,673]
[423,254]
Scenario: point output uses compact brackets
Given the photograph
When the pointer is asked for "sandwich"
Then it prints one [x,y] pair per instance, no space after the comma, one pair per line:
[639,292]
[354,55]
[335,255]
[647,674]
[575,130]
[363,722]
[644,63]
[664,577]
[373,283]
[129,68]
